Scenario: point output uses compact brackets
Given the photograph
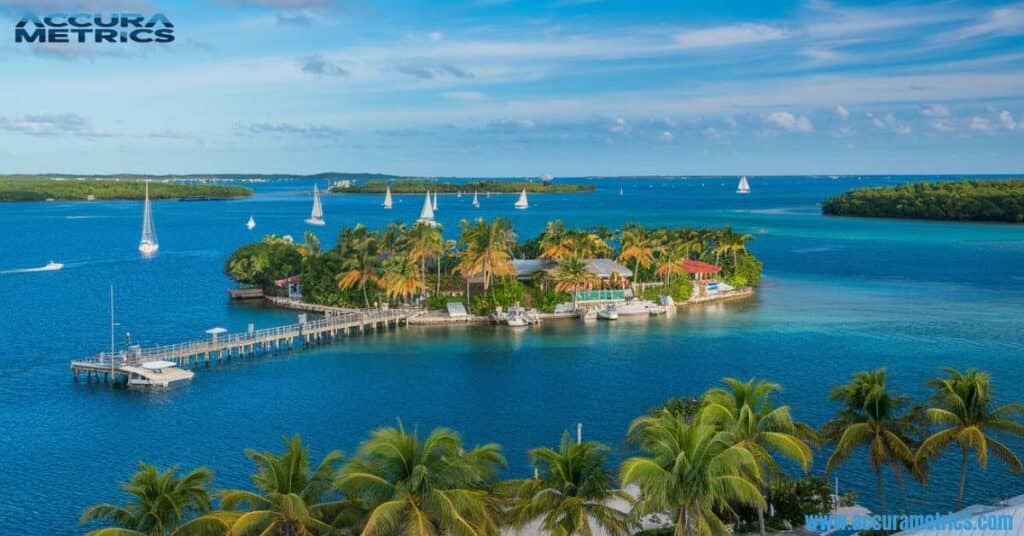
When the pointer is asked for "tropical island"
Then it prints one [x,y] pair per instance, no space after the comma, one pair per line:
[487,267]
[985,200]
[419,186]
[733,460]
[65,189]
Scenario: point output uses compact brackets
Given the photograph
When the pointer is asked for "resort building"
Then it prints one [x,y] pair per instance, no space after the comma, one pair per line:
[703,275]
[608,271]
[290,286]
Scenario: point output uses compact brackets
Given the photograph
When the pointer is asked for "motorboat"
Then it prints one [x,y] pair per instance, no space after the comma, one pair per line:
[608,313]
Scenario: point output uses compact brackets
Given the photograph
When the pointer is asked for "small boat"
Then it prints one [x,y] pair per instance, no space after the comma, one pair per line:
[620,192]
[458,194]
[51,266]
[516,321]
[148,244]
[522,203]
[743,187]
[435,202]
[608,313]
[251,224]
[387,199]
[476,201]
[316,217]
[427,212]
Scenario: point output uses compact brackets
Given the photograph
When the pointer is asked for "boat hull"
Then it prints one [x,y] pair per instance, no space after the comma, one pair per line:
[315,221]
[147,248]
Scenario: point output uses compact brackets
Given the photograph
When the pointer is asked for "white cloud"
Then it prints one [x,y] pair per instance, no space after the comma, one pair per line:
[435,36]
[712,133]
[667,136]
[981,124]
[890,123]
[823,54]
[789,122]
[621,127]
[1007,120]
[841,112]
[935,110]
[943,125]
[732,35]
[998,22]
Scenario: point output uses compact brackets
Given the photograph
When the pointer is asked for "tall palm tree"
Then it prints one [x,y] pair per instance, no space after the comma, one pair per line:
[670,262]
[745,410]
[572,276]
[555,242]
[421,488]
[873,418]
[360,252]
[638,248]
[400,279]
[310,244]
[964,411]
[423,242]
[487,249]
[160,502]
[291,495]
[692,471]
[572,491]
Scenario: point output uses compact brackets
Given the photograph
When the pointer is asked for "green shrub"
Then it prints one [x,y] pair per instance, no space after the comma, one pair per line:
[545,300]
[681,288]
[262,263]
[746,272]
[503,293]
[440,303]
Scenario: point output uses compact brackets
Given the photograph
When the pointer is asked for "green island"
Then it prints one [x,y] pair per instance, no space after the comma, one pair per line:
[747,462]
[975,200]
[418,264]
[419,186]
[36,189]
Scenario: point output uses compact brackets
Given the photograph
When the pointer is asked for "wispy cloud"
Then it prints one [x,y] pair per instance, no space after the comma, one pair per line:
[69,124]
[292,129]
[889,122]
[316,64]
[732,35]
[935,110]
[789,122]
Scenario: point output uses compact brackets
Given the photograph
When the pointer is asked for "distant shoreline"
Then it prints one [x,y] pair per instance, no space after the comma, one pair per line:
[490,186]
[22,190]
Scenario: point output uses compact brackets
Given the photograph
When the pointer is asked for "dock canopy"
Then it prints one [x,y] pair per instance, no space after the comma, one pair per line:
[157,365]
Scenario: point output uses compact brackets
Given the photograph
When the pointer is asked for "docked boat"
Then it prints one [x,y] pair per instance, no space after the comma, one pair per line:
[743,187]
[387,199]
[316,217]
[476,201]
[148,244]
[522,203]
[156,375]
[516,322]
[251,224]
[608,313]
[638,307]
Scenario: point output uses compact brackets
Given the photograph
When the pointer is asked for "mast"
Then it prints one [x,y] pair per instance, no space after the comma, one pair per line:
[387,197]
[435,201]
[148,243]
[476,200]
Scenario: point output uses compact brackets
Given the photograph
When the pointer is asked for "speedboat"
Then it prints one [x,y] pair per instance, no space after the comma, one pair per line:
[516,321]
[608,313]
[51,266]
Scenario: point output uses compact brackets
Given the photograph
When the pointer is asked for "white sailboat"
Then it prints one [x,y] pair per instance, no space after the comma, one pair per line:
[316,217]
[488,194]
[744,186]
[148,244]
[458,194]
[251,224]
[522,203]
[476,201]
[387,199]
[435,201]
[427,212]
[620,191]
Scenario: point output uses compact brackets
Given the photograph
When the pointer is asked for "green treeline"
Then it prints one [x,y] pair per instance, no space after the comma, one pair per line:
[401,264]
[1001,200]
[731,456]
[18,189]
[422,186]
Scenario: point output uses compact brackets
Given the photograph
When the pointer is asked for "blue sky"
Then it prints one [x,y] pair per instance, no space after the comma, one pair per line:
[513,88]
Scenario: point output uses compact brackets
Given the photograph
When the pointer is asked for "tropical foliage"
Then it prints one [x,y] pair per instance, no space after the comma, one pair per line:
[39,189]
[987,200]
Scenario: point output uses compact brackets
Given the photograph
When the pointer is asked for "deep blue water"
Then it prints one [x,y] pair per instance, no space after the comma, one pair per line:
[840,295]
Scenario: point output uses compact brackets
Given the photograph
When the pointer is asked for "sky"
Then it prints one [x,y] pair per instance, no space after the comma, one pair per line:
[522,88]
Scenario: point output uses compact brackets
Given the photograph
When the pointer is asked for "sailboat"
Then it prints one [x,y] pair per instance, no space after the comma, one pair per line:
[522,203]
[317,216]
[476,201]
[427,212]
[148,244]
[251,224]
[620,191]
[458,194]
[435,201]
[387,199]
[744,186]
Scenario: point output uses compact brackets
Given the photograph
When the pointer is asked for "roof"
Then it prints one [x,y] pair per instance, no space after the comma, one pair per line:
[526,268]
[606,267]
[698,267]
[288,280]
[980,515]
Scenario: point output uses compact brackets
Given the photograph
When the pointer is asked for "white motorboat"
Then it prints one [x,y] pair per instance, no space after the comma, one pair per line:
[148,244]
[316,217]
[608,313]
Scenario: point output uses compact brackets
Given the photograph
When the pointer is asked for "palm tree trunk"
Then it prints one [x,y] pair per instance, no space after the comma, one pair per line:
[681,523]
[760,519]
[963,480]
[438,282]
[366,298]
[881,489]
[423,273]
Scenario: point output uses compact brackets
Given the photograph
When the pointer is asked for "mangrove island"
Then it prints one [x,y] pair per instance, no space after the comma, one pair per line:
[975,200]
[16,189]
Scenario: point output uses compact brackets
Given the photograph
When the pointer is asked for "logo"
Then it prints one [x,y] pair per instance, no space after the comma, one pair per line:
[94,28]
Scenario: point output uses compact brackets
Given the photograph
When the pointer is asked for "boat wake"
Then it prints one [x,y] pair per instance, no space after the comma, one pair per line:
[48,267]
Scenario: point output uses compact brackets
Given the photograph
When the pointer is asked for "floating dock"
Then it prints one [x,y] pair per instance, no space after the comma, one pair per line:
[219,348]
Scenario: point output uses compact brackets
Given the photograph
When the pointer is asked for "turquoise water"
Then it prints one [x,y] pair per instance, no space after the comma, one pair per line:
[840,295]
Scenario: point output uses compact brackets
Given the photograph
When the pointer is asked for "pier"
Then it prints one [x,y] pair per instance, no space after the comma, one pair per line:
[219,348]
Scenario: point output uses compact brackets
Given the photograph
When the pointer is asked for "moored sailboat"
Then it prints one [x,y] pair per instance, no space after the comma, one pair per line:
[476,201]
[387,199]
[251,224]
[522,203]
[316,217]
[148,244]
[427,212]
[744,186]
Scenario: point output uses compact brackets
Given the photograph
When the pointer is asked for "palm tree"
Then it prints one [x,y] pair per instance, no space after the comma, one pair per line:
[555,242]
[638,247]
[572,276]
[159,502]
[291,495]
[400,279]
[692,471]
[361,260]
[670,262]
[310,244]
[487,249]
[420,488]
[746,412]
[572,490]
[876,419]
[423,242]
[963,409]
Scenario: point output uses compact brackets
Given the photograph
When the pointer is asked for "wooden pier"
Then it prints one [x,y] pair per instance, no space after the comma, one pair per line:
[220,348]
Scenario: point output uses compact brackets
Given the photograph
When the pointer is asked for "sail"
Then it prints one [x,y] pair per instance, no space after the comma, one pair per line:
[148,242]
[744,186]
[251,224]
[522,203]
[476,200]
[435,202]
[318,209]
[387,197]
[427,212]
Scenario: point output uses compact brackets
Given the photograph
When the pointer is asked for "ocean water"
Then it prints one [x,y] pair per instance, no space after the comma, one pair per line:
[839,295]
